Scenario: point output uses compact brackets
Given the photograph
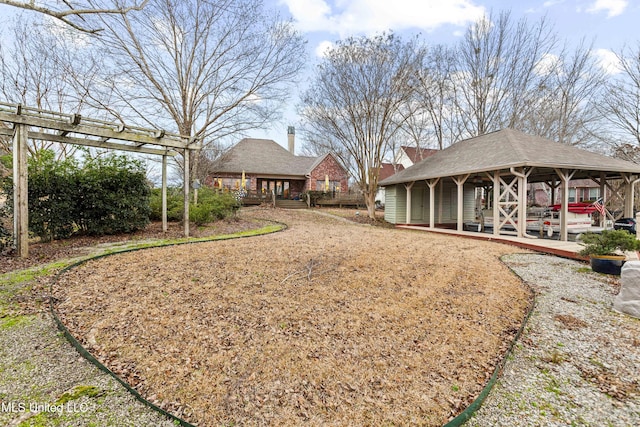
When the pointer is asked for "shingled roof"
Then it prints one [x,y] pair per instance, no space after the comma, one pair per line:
[265,156]
[510,148]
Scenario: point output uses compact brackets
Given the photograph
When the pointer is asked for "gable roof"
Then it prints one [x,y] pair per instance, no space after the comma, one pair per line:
[416,154]
[509,148]
[265,156]
[387,170]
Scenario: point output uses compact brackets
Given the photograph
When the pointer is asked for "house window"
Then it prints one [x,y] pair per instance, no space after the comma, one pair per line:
[594,193]
[572,195]
[231,183]
[321,185]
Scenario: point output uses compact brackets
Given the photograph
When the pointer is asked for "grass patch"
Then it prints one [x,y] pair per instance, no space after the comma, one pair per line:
[14,321]
[79,391]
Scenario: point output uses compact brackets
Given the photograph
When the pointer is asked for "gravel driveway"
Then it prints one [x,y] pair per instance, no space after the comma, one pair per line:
[577,363]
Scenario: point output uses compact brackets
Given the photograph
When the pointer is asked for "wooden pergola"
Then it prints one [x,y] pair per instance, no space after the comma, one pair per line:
[23,123]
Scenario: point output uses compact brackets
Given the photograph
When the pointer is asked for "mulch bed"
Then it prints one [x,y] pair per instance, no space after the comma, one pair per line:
[42,253]
[326,323]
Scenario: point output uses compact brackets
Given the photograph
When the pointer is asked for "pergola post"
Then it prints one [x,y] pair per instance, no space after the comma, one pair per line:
[186,183]
[432,203]
[165,226]
[20,191]
[408,213]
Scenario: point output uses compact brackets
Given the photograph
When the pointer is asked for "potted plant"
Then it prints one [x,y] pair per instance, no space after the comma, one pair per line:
[606,249]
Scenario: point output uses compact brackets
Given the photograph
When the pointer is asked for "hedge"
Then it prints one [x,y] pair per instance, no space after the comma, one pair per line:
[212,205]
[105,195]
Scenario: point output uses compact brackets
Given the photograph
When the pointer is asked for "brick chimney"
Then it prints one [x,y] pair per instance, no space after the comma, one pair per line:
[291,136]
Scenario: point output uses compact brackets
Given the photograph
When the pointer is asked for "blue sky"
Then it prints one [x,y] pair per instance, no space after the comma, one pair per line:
[612,23]
[609,23]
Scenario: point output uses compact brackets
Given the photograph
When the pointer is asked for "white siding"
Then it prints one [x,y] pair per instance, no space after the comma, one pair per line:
[390,204]
[396,203]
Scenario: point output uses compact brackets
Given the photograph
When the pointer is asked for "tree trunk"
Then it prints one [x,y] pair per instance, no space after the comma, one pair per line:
[370,201]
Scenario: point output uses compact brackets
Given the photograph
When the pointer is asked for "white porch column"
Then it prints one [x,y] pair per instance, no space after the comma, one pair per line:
[460,180]
[603,195]
[565,176]
[432,203]
[629,195]
[522,176]
[408,214]
[496,203]
[20,191]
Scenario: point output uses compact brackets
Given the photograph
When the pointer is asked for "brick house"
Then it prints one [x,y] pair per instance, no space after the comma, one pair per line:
[580,190]
[269,167]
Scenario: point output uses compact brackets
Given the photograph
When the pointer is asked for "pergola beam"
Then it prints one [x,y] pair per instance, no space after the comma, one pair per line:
[102,143]
[86,132]
[99,131]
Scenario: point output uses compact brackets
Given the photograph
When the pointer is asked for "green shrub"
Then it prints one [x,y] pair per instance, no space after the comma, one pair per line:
[5,222]
[114,196]
[174,204]
[107,195]
[608,242]
[200,214]
[212,205]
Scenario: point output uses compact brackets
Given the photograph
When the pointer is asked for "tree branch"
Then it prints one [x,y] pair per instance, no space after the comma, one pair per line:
[65,15]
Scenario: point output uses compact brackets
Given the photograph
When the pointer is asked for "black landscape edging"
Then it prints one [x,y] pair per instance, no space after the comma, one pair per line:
[458,421]
[466,415]
[89,357]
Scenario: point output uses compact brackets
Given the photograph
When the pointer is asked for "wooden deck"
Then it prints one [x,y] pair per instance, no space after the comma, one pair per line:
[549,246]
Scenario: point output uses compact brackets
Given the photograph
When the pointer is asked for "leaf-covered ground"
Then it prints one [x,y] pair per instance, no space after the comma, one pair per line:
[45,252]
[326,323]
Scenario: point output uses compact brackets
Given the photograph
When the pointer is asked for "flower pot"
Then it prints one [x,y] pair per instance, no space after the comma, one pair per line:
[607,264]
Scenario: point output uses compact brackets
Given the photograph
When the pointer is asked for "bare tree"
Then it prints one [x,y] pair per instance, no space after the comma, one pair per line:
[34,71]
[435,95]
[73,13]
[354,102]
[496,71]
[203,68]
[564,107]
[621,105]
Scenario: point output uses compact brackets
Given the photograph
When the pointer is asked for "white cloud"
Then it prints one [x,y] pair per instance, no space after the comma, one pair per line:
[612,7]
[608,61]
[310,15]
[547,64]
[551,3]
[349,17]
[322,48]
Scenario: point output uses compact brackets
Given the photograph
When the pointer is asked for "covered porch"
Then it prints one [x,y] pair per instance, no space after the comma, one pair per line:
[441,190]
[560,248]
